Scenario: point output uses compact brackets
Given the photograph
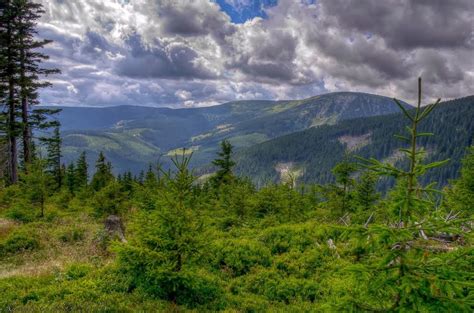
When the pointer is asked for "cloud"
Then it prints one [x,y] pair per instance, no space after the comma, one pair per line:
[170,60]
[190,53]
[407,24]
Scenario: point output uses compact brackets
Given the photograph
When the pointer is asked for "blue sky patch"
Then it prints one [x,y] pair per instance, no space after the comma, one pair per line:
[241,11]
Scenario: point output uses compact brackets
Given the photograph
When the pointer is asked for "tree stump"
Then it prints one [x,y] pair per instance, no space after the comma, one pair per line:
[114,227]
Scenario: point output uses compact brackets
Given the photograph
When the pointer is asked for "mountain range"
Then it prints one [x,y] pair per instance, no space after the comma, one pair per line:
[270,137]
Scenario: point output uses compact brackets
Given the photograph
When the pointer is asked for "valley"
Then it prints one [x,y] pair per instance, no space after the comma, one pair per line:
[149,135]
[313,134]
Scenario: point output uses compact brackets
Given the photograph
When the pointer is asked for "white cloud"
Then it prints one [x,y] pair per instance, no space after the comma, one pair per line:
[189,53]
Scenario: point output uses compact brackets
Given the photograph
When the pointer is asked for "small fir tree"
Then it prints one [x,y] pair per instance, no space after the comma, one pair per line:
[460,197]
[224,164]
[103,173]
[415,273]
[365,193]
[159,258]
[53,160]
[70,178]
[36,183]
[82,176]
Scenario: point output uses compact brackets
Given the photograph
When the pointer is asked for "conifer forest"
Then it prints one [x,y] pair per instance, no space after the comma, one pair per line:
[339,202]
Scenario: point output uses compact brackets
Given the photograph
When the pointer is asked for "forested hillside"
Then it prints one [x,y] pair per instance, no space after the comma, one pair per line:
[311,154]
[133,137]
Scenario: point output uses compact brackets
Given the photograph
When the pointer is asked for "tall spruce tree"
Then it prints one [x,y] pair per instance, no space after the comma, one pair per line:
[9,83]
[30,70]
[21,75]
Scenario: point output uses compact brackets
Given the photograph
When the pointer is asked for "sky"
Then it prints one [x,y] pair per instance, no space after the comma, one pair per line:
[192,53]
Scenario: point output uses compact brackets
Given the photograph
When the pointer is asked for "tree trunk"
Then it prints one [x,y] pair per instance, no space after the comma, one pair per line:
[24,112]
[11,120]
[42,206]
[13,153]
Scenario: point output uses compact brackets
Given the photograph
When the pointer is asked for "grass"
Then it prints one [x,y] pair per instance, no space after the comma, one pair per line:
[67,239]
[248,140]
[328,120]
[70,270]
[285,106]
[6,227]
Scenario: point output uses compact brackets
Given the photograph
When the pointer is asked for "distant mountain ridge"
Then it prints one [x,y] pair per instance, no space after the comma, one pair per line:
[312,153]
[133,136]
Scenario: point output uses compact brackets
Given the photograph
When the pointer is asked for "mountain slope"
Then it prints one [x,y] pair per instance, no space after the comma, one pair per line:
[312,153]
[159,131]
[284,117]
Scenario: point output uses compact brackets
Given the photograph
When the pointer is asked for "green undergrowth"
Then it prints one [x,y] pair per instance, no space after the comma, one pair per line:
[278,268]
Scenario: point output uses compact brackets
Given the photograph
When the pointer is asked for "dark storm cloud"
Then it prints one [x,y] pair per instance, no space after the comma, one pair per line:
[440,70]
[406,24]
[193,20]
[360,52]
[267,56]
[175,60]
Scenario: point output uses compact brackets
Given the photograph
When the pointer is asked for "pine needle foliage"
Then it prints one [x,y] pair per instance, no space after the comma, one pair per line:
[406,267]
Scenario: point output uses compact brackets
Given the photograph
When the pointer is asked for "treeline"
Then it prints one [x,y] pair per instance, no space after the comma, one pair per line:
[21,76]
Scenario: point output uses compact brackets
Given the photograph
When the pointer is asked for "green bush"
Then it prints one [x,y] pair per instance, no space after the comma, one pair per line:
[276,287]
[19,241]
[72,235]
[280,201]
[110,200]
[187,287]
[51,215]
[240,255]
[10,195]
[18,290]
[249,303]
[102,239]
[284,238]
[62,198]
[150,272]
[77,270]
[302,264]
[22,212]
